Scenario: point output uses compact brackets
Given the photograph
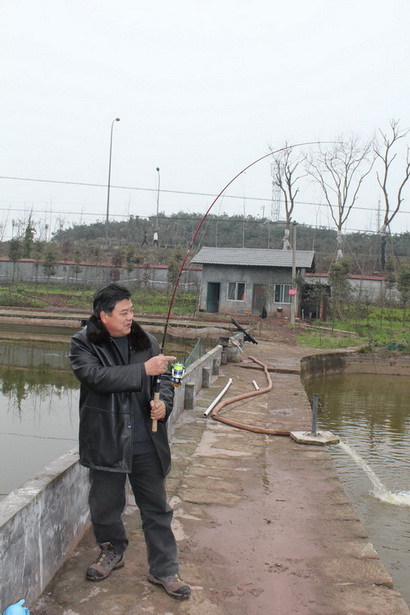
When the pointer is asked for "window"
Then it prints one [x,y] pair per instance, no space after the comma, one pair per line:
[282,293]
[236,291]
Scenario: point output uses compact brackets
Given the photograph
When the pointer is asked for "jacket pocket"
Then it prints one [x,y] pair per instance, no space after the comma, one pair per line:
[105,438]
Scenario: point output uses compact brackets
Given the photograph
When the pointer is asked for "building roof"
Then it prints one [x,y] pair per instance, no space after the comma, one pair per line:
[352,276]
[254,257]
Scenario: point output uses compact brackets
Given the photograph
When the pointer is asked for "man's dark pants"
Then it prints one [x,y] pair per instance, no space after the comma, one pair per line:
[107,502]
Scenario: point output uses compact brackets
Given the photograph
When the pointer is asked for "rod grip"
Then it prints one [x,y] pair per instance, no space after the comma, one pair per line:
[155,422]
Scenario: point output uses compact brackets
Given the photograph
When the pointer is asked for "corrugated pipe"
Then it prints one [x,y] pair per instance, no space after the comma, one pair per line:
[226,402]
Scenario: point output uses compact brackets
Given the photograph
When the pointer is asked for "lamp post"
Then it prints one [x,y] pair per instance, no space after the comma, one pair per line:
[158,189]
[117,119]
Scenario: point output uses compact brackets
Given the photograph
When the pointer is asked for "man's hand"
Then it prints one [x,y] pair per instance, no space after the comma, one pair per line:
[157,365]
[158,410]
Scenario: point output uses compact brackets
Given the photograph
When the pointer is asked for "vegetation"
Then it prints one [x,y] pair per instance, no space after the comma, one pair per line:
[325,339]
[87,242]
[147,301]
[378,329]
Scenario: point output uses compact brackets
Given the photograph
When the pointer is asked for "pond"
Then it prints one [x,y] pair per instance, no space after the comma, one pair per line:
[39,406]
[371,415]
[38,410]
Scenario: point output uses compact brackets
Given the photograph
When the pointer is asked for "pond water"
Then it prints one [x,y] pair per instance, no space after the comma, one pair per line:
[39,406]
[371,415]
[38,411]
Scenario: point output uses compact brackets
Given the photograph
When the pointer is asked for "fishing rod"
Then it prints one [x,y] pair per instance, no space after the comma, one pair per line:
[198,228]
[177,376]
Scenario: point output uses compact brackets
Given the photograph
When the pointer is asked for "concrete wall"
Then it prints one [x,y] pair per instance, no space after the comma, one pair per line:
[15,356]
[41,523]
[324,364]
[27,270]
[345,362]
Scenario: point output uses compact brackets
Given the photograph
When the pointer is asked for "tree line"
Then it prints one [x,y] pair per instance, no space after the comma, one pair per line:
[125,243]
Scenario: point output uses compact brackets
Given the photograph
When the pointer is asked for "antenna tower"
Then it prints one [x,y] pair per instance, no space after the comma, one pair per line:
[275,205]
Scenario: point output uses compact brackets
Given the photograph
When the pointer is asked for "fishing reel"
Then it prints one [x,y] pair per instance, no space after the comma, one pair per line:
[177,373]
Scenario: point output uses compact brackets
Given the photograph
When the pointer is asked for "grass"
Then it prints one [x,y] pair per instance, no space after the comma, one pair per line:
[381,330]
[39,296]
[318,339]
[157,302]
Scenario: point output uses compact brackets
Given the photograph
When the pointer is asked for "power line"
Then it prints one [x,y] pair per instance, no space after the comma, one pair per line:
[92,185]
[179,192]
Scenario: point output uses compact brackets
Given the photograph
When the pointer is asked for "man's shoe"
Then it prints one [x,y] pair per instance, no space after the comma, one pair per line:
[107,561]
[173,585]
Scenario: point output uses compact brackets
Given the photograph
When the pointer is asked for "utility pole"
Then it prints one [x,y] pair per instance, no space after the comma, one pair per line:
[158,191]
[294,296]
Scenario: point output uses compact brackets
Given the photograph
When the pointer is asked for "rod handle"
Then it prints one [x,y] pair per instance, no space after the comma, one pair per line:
[155,422]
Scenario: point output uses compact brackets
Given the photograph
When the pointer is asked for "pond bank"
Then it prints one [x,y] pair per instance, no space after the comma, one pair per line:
[341,362]
[29,324]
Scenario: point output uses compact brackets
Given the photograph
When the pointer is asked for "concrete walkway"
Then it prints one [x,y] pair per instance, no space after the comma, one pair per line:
[262,522]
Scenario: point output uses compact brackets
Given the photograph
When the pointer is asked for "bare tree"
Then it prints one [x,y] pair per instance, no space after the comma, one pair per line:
[340,172]
[285,177]
[386,155]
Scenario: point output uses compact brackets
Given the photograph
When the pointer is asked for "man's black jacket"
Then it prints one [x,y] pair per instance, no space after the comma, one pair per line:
[107,384]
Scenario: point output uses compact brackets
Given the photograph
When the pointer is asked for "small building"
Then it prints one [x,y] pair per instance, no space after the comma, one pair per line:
[250,280]
[372,287]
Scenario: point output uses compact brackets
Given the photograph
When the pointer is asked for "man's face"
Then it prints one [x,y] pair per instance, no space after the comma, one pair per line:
[118,323]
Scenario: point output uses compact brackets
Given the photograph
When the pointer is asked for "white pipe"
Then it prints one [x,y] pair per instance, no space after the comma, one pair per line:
[255,384]
[221,394]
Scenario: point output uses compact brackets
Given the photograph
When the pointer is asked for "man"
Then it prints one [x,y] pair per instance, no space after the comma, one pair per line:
[116,362]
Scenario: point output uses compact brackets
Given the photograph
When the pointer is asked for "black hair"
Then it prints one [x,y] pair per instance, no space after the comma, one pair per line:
[107,298]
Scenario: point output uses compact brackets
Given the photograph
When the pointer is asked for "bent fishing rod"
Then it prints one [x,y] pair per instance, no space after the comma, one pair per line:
[195,234]
[198,228]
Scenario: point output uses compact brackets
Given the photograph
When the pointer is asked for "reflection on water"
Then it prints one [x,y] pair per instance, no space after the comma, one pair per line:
[38,411]
[371,415]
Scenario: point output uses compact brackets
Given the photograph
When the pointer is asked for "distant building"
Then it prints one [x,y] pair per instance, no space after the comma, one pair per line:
[249,280]
[373,287]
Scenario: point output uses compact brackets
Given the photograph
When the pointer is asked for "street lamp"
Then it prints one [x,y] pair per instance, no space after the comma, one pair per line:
[158,187]
[117,119]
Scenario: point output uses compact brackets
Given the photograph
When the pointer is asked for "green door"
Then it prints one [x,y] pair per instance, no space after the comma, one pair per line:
[212,297]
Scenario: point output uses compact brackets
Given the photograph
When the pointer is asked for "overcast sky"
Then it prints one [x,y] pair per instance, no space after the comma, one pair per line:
[202,89]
